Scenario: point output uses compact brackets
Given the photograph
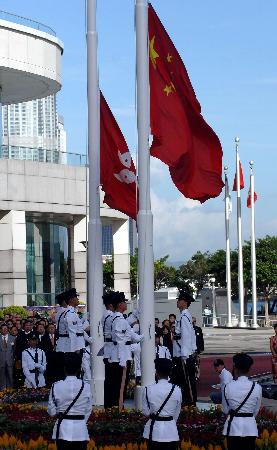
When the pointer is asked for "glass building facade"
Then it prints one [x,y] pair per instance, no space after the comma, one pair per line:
[48,261]
[107,240]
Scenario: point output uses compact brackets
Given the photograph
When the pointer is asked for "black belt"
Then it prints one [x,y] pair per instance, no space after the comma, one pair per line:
[33,370]
[108,340]
[126,343]
[233,414]
[160,418]
[177,337]
[63,335]
[79,334]
[71,417]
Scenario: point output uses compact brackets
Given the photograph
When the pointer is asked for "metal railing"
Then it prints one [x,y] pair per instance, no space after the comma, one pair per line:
[42,155]
[21,20]
[222,320]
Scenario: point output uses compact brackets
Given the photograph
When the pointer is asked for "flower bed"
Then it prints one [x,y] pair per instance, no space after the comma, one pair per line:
[113,428]
[267,441]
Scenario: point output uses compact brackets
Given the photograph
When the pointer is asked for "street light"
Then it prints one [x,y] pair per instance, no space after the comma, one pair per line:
[215,324]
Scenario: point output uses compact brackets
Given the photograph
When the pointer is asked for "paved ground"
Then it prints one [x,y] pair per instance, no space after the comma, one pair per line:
[223,343]
[224,340]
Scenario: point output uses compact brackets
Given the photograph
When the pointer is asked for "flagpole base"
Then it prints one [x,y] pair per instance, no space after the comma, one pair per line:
[138,398]
[242,325]
[255,326]
[229,325]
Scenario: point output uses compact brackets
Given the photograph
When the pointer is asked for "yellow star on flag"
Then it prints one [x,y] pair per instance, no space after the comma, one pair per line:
[153,54]
[168,89]
[169,58]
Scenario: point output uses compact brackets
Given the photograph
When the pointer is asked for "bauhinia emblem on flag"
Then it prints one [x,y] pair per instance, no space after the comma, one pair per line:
[181,137]
[240,179]
[117,170]
[249,198]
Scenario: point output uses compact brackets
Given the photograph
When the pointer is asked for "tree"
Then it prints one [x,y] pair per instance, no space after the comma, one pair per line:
[108,275]
[164,275]
[195,271]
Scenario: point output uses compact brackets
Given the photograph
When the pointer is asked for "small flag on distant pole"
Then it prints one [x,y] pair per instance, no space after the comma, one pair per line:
[249,198]
[240,179]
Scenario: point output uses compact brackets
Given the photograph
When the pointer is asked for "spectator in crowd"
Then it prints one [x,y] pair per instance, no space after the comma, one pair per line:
[158,329]
[14,331]
[40,331]
[21,345]
[172,319]
[9,324]
[167,338]
[165,323]
[225,377]
[6,358]
[18,324]
[273,349]
[207,315]
[48,344]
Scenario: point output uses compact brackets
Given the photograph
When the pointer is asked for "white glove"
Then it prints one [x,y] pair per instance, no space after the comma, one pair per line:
[184,358]
[141,337]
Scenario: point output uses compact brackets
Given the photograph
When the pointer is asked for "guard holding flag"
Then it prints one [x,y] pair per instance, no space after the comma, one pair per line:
[120,359]
[184,348]
[108,345]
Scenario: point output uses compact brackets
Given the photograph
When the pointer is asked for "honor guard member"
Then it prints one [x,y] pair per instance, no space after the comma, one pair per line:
[120,359]
[108,345]
[160,350]
[34,364]
[241,401]
[71,402]
[184,348]
[73,323]
[62,345]
[161,402]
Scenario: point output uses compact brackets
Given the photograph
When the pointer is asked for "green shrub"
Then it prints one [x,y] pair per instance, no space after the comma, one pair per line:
[14,310]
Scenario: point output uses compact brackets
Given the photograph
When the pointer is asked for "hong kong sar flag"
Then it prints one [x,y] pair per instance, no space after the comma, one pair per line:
[117,170]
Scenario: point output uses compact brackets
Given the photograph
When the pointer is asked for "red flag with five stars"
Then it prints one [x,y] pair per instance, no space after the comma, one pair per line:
[181,137]
[117,171]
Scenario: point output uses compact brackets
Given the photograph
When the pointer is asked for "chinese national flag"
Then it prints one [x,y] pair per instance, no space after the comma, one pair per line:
[181,137]
[240,179]
[249,199]
[117,170]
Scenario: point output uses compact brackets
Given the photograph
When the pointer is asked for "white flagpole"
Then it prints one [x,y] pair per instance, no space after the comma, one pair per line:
[253,249]
[145,218]
[242,323]
[228,262]
[95,270]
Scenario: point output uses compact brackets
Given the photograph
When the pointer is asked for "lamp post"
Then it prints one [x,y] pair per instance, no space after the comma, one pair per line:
[215,324]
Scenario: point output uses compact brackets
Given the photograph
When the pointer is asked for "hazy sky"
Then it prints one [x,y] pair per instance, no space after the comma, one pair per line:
[229,49]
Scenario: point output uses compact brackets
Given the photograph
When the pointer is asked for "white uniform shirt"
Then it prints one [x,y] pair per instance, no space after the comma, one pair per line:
[157,393]
[186,345]
[107,332]
[162,352]
[74,328]
[64,393]
[235,392]
[63,344]
[121,334]
[225,377]
[28,364]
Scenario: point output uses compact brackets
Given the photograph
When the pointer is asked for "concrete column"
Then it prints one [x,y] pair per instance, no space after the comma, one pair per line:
[121,250]
[80,259]
[13,278]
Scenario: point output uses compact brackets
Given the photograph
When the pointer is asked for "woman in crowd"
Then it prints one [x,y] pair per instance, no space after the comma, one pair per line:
[273,348]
